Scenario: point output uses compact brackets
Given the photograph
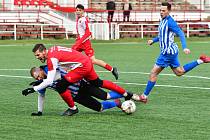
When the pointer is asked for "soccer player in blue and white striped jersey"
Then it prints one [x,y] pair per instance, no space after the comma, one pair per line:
[82,92]
[169,50]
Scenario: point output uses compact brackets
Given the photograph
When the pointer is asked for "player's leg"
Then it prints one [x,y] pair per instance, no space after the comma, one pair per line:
[111,15]
[161,62]
[179,70]
[70,78]
[106,66]
[128,16]
[92,77]
[99,93]
[189,66]
[151,82]
[90,53]
[124,15]
[64,92]
[114,87]
[40,105]
[86,100]
[77,47]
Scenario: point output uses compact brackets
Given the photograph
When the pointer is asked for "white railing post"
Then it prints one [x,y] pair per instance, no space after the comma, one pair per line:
[111,30]
[188,30]
[42,36]
[118,32]
[67,37]
[92,30]
[15,32]
[142,31]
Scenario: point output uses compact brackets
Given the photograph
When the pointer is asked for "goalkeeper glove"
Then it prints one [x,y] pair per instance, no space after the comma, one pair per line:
[27,91]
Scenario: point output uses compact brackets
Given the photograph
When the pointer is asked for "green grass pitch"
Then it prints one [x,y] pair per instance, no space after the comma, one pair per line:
[178,107]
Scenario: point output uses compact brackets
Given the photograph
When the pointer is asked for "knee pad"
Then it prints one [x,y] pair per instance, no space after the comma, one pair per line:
[98,82]
[62,85]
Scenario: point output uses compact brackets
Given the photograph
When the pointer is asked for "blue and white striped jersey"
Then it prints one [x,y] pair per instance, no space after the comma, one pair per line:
[74,88]
[167,29]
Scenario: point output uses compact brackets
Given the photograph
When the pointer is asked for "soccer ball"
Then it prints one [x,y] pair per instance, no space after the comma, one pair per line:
[128,107]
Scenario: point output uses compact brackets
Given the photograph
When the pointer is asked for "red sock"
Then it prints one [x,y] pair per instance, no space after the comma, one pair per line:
[112,86]
[108,67]
[67,98]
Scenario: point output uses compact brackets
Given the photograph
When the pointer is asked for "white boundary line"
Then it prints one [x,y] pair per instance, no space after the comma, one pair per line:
[14,76]
[143,73]
[138,84]
[14,69]
[169,86]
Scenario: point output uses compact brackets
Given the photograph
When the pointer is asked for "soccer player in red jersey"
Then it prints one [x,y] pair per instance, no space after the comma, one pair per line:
[83,41]
[58,55]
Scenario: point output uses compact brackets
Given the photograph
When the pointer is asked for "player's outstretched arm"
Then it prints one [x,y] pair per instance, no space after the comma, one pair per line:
[177,30]
[36,83]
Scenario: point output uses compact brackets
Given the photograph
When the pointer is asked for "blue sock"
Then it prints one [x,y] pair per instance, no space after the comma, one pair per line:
[108,104]
[115,95]
[149,87]
[189,66]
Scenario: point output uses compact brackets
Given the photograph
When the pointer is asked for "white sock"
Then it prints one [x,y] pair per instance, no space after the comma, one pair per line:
[40,102]
[200,61]
[145,96]
[73,108]
[125,94]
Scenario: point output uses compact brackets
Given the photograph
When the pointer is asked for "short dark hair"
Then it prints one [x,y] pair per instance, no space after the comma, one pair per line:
[39,47]
[80,6]
[167,4]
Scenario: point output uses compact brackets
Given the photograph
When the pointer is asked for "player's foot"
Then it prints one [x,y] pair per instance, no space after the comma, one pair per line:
[70,112]
[118,103]
[135,97]
[115,72]
[143,98]
[129,95]
[36,113]
[205,58]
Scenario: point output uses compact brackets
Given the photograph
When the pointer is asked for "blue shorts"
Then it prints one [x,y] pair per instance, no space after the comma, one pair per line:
[168,60]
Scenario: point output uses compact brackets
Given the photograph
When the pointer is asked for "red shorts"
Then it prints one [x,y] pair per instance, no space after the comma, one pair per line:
[86,71]
[86,47]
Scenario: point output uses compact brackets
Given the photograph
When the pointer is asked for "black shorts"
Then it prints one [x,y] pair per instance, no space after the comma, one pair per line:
[86,94]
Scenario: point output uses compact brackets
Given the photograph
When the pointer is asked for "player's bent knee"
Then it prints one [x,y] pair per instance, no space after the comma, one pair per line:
[153,77]
[179,74]
[62,85]
[98,82]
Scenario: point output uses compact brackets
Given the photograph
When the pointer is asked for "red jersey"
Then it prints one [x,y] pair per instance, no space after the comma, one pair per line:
[63,54]
[82,27]
[83,40]
[56,55]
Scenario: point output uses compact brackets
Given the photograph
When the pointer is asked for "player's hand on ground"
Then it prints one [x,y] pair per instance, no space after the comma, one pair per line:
[27,91]
[150,42]
[36,83]
[186,51]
